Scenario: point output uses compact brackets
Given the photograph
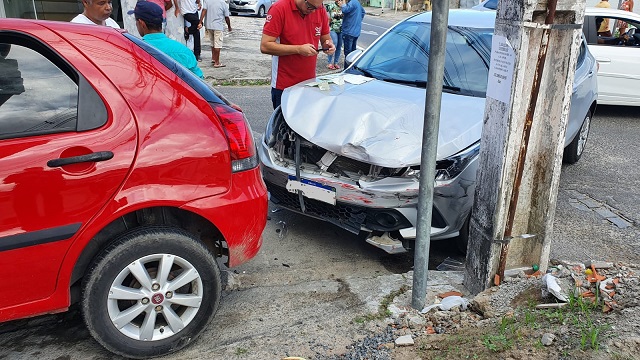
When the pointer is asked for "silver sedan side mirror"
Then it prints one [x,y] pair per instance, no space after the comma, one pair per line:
[351,58]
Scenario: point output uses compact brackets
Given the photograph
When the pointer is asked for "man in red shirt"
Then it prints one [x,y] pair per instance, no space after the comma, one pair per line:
[294,48]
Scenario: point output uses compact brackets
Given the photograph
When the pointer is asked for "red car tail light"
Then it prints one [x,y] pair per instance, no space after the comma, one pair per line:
[239,137]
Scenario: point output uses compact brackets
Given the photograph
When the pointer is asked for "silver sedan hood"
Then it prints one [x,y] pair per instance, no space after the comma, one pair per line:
[378,122]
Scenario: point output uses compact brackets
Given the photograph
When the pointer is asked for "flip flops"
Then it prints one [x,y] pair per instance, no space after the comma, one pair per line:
[219,66]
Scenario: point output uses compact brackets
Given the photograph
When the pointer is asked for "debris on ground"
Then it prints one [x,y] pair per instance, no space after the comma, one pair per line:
[448,303]
[404,340]
[547,339]
[282,229]
[550,285]
[614,329]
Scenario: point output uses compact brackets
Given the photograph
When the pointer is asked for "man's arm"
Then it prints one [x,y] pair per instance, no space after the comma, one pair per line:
[177,10]
[268,45]
[226,18]
[326,42]
[346,8]
[201,23]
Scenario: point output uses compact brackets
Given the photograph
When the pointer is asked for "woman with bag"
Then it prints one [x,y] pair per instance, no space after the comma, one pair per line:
[335,24]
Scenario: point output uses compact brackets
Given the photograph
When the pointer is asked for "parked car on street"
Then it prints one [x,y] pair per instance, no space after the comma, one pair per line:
[353,151]
[487,5]
[258,8]
[618,55]
[123,177]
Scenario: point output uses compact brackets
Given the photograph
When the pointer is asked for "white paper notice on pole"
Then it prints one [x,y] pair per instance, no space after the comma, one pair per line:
[501,69]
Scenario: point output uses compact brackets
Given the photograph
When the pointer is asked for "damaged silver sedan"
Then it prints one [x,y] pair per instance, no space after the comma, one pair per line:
[346,148]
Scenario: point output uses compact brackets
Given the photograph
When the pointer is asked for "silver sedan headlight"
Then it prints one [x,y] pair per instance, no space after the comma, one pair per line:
[449,168]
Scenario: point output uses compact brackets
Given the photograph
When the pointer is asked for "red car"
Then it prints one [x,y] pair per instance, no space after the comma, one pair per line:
[122,178]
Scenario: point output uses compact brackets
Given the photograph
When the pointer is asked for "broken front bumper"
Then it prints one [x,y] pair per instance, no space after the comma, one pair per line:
[386,204]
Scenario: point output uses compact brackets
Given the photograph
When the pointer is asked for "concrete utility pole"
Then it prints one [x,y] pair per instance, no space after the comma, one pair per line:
[533,60]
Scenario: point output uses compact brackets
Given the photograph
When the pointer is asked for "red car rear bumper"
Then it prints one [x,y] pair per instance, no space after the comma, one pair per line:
[239,214]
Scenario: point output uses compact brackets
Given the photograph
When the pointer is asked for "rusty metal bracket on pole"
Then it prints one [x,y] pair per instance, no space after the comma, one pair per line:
[526,132]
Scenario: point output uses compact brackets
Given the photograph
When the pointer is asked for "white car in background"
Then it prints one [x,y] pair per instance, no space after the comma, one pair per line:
[258,8]
[486,5]
[618,55]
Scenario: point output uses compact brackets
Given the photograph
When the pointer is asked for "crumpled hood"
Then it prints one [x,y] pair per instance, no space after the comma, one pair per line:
[379,122]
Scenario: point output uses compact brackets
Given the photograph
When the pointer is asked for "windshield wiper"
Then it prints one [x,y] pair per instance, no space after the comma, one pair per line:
[417,83]
[364,72]
[421,83]
[449,88]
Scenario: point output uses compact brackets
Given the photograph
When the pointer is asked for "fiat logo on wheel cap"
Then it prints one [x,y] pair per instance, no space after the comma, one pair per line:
[157,299]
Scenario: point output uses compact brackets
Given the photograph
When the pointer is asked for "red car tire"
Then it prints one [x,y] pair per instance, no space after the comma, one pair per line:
[151,292]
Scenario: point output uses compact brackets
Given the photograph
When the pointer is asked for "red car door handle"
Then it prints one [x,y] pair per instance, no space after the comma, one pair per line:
[93,157]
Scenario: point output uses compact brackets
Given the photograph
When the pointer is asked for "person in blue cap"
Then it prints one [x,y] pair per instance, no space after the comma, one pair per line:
[149,24]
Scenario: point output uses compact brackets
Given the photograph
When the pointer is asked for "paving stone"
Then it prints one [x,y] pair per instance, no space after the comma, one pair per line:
[605,213]
[579,206]
[590,203]
[619,222]
[574,193]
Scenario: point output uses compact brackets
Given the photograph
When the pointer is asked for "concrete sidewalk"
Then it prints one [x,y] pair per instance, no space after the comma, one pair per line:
[244,64]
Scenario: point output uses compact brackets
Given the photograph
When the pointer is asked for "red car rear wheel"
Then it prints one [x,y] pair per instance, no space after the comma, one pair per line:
[151,292]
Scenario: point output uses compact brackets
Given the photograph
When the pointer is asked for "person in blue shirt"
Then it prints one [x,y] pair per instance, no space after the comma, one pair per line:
[352,15]
[149,24]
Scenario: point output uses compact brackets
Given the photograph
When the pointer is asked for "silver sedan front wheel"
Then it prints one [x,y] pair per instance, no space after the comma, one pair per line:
[151,292]
[574,150]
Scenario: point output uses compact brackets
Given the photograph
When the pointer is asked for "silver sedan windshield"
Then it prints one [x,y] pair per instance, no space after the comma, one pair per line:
[402,56]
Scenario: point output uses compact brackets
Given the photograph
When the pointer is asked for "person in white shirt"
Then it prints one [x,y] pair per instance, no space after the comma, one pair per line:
[214,12]
[189,10]
[96,12]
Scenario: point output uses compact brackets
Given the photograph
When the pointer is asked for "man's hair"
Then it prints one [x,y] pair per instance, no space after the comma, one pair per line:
[152,26]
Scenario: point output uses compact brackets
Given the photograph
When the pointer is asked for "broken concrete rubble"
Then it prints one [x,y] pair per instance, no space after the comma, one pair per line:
[405,340]
[620,282]
[547,339]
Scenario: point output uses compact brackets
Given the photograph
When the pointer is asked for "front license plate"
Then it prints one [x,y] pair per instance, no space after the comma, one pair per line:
[312,190]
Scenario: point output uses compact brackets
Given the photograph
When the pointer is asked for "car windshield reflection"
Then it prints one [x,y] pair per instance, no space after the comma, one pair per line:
[402,56]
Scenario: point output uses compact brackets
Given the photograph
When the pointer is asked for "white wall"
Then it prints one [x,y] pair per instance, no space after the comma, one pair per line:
[175,25]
